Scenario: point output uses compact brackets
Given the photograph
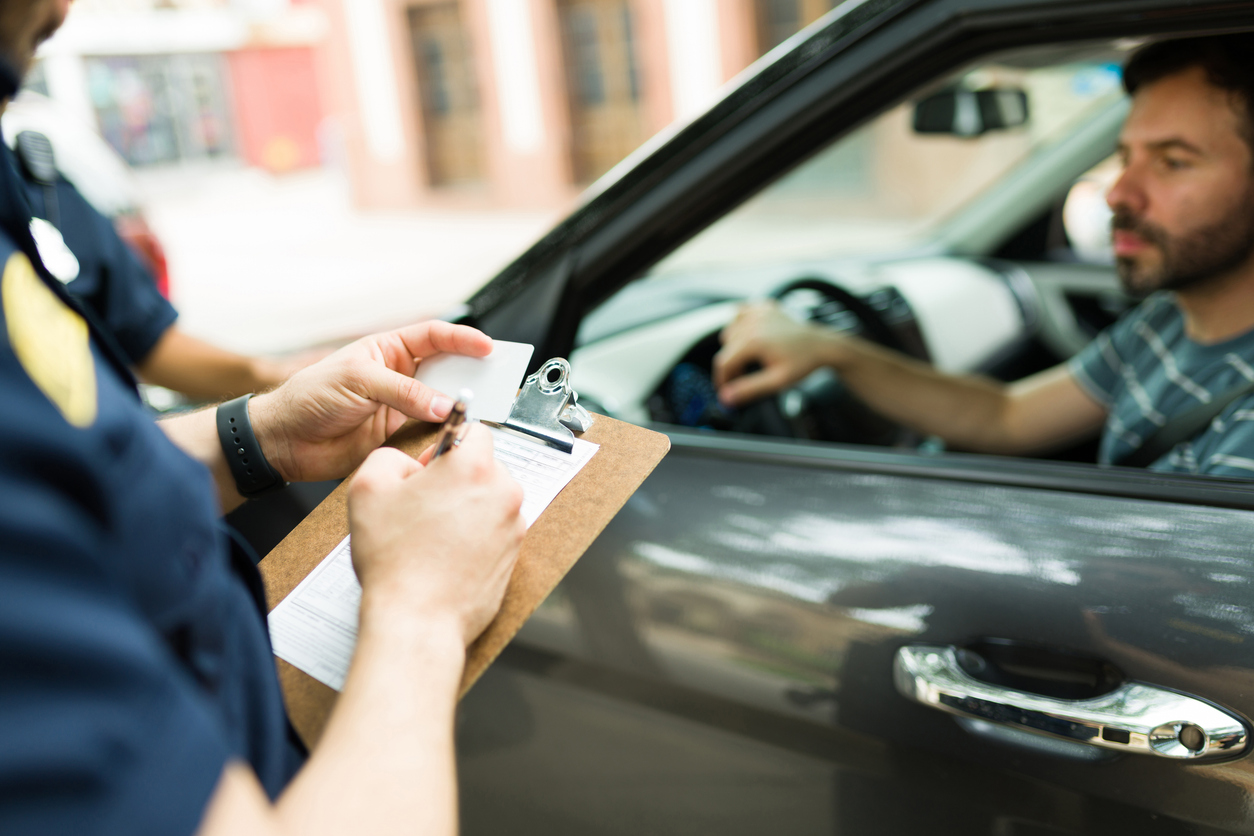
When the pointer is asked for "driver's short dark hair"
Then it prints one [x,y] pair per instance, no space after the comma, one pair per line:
[1228,61]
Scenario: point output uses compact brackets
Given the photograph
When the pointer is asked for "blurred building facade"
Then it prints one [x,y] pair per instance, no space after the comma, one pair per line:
[525,102]
[185,81]
[487,103]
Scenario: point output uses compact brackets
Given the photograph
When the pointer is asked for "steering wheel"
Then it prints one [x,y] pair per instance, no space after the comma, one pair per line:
[874,326]
[817,408]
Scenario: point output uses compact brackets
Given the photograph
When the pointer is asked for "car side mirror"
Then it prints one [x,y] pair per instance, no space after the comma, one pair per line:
[967,113]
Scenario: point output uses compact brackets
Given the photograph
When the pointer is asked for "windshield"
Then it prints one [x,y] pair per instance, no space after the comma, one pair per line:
[887,187]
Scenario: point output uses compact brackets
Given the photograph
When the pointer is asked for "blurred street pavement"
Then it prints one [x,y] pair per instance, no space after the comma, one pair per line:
[266,264]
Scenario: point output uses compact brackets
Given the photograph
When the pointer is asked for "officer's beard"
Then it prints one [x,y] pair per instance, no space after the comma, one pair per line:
[1190,260]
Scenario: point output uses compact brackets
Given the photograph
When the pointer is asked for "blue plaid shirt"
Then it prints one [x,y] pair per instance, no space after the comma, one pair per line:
[1145,369]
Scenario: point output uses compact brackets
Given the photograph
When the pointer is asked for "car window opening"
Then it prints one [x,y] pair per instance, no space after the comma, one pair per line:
[966,227]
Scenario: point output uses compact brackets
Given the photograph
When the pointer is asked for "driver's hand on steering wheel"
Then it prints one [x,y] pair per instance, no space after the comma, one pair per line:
[785,351]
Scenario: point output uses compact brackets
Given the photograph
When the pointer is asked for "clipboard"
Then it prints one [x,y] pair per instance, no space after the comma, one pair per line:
[560,536]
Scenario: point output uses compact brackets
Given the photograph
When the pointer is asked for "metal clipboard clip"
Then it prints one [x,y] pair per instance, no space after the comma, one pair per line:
[548,408]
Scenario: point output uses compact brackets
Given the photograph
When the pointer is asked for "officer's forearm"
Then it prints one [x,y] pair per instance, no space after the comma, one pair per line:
[199,369]
[385,763]
[196,434]
[390,737]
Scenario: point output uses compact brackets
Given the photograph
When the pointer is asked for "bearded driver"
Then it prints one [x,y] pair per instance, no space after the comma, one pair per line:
[1183,235]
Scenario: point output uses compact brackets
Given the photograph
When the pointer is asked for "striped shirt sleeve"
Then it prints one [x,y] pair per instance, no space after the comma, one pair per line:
[1226,448]
[1098,367]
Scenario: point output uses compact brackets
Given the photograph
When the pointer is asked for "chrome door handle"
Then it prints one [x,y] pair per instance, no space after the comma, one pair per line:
[1135,717]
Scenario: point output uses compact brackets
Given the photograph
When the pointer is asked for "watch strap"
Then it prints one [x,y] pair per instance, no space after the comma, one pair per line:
[253,474]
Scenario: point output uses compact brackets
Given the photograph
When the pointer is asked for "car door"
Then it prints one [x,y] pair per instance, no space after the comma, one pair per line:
[723,659]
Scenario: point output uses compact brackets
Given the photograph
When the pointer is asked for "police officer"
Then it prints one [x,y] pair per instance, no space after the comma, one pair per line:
[137,690]
[82,249]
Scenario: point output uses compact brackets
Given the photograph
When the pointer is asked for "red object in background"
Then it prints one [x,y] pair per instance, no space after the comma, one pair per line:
[134,230]
[277,107]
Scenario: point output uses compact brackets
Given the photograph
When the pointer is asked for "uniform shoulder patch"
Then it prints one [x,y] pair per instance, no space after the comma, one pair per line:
[51,341]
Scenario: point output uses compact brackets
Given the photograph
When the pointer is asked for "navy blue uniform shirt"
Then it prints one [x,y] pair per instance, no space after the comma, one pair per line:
[134,660]
[112,282]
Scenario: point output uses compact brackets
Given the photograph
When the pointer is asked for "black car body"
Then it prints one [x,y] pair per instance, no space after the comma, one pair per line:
[722,659]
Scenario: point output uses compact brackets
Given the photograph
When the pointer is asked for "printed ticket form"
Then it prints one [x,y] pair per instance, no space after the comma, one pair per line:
[315,627]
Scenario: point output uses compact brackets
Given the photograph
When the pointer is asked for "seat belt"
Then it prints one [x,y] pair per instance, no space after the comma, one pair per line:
[1182,427]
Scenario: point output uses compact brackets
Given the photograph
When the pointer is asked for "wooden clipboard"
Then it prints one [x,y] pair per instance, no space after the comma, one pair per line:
[554,542]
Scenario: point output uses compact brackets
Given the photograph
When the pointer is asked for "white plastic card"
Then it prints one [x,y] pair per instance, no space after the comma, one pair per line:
[494,379]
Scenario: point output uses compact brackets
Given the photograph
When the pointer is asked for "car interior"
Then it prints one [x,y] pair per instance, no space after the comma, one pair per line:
[965,226]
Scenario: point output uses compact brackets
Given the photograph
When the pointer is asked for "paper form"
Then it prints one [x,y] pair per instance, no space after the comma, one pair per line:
[540,469]
[315,627]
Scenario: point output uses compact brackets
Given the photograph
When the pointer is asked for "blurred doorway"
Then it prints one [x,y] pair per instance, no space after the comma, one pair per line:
[452,126]
[779,20]
[602,84]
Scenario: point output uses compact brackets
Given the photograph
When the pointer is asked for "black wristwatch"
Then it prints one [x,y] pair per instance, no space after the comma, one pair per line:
[253,474]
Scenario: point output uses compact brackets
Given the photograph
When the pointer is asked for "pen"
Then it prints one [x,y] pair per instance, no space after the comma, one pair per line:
[451,431]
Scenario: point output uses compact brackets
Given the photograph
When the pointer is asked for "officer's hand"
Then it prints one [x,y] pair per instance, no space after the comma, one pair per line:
[784,349]
[436,542]
[323,421]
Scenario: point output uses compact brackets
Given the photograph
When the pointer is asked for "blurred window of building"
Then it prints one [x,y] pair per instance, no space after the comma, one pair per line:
[602,84]
[162,108]
[629,46]
[779,20]
[584,51]
[452,124]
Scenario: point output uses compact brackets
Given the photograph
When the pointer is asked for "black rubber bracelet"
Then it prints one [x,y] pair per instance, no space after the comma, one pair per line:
[253,474]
